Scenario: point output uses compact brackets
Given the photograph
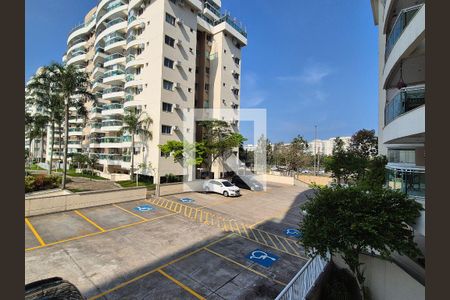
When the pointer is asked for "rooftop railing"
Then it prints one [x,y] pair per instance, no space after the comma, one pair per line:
[233,23]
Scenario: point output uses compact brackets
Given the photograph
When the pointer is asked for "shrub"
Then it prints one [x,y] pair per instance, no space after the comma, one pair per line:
[29,183]
[41,182]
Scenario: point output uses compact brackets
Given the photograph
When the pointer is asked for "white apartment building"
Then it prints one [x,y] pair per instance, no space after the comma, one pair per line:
[401,103]
[325,147]
[160,57]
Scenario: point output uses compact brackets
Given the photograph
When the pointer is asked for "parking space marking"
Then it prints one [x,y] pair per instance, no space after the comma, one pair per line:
[130,212]
[123,284]
[244,266]
[36,234]
[189,290]
[99,232]
[90,221]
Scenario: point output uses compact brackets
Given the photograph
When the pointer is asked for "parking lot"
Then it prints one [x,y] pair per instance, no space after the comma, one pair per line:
[190,245]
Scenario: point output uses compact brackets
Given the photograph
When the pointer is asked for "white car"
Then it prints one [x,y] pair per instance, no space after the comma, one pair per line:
[221,186]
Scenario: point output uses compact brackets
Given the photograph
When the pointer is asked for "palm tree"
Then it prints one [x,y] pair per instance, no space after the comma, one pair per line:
[41,92]
[40,123]
[29,119]
[72,85]
[136,123]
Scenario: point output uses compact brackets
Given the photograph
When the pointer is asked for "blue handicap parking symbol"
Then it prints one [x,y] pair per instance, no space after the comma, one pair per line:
[186,200]
[263,258]
[292,232]
[144,208]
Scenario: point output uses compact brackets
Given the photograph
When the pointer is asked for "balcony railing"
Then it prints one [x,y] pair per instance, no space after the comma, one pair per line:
[113,90]
[129,77]
[111,140]
[114,5]
[113,40]
[129,98]
[130,57]
[110,156]
[126,158]
[131,38]
[113,56]
[213,9]
[113,106]
[305,279]
[132,18]
[111,123]
[208,20]
[404,18]
[407,99]
[114,22]
[113,73]
[84,24]
[233,23]
[76,129]
[96,125]
[74,142]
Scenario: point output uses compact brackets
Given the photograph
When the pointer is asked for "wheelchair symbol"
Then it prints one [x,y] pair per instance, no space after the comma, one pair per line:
[186,200]
[292,232]
[144,208]
[261,255]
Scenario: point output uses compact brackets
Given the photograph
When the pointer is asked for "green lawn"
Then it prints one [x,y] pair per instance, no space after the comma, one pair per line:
[130,183]
[34,167]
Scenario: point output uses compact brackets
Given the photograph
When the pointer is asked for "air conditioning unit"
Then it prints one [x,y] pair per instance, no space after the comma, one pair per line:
[178,63]
[177,85]
[234,122]
[175,128]
[179,21]
[177,106]
[209,44]
[179,42]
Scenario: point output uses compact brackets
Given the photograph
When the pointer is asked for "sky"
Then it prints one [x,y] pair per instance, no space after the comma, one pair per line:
[307,62]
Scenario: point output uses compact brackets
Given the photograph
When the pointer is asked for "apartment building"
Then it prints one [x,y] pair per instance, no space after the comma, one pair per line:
[325,147]
[401,113]
[162,57]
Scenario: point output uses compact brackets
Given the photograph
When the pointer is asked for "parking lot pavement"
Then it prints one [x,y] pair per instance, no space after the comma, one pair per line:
[139,250]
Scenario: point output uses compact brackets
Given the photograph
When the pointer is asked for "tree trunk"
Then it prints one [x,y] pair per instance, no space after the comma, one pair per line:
[30,153]
[66,137]
[356,273]
[60,144]
[52,143]
[41,159]
[132,157]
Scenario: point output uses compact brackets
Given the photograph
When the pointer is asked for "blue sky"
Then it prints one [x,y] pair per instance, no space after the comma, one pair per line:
[307,62]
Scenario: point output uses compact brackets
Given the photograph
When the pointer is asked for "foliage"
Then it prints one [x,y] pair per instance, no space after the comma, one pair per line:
[132,183]
[375,175]
[296,156]
[351,221]
[41,182]
[85,173]
[364,143]
[181,151]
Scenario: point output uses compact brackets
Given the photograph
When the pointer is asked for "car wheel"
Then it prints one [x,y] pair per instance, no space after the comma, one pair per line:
[225,194]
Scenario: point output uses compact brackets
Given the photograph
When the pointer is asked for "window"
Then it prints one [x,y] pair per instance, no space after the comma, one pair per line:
[207,70]
[236,92]
[170,19]
[168,85]
[207,87]
[225,51]
[190,70]
[237,60]
[170,41]
[166,129]
[168,63]
[189,90]
[224,84]
[167,107]
[236,76]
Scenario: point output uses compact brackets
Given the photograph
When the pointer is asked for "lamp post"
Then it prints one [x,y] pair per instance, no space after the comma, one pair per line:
[315,150]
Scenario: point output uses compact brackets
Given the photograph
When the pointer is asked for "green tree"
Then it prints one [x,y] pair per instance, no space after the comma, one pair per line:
[296,156]
[353,221]
[193,153]
[219,140]
[39,130]
[364,143]
[136,124]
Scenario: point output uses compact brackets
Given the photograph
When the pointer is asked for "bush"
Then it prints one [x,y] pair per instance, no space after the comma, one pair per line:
[41,182]
[29,183]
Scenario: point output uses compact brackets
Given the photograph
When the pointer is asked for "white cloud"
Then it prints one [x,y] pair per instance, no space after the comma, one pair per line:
[313,74]
[253,95]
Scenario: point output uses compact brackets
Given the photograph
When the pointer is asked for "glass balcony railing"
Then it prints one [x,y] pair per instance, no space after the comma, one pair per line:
[131,38]
[113,40]
[114,4]
[407,99]
[78,52]
[129,77]
[126,138]
[77,41]
[111,73]
[96,125]
[126,158]
[233,23]
[78,129]
[404,18]
[213,9]
[129,98]
[132,18]
[95,141]
[84,24]
[208,20]
[74,142]
[113,106]
[114,22]
[113,90]
[111,123]
[117,157]
[112,140]
[96,110]
[130,57]
[113,56]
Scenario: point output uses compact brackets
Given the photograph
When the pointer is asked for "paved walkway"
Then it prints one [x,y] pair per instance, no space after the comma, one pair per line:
[87,184]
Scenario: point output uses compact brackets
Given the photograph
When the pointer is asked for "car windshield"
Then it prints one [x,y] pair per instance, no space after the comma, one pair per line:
[226,183]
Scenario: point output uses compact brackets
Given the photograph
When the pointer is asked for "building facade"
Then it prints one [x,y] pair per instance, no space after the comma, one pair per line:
[401,103]
[160,57]
[325,147]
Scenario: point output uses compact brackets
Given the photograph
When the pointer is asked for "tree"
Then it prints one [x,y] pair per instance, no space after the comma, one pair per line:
[364,143]
[219,141]
[39,130]
[296,157]
[353,221]
[181,151]
[92,160]
[136,124]
[71,86]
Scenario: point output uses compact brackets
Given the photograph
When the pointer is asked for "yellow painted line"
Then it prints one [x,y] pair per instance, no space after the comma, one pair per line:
[167,204]
[89,220]
[239,230]
[189,290]
[281,243]
[245,230]
[262,236]
[256,238]
[244,266]
[33,230]
[130,212]
[293,248]
[273,242]
[196,211]
[156,269]
[98,232]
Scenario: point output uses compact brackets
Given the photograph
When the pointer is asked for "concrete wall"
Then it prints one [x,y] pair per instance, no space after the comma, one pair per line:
[386,280]
[51,204]
[275,179]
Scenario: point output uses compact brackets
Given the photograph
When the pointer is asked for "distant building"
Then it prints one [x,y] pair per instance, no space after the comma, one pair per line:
[325,147]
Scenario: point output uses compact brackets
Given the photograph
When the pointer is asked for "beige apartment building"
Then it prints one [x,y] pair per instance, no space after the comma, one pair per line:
[163,57]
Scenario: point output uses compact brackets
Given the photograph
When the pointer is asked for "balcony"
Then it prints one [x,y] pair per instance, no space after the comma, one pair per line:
[134,41]
[132,80]
[96,127]
[115,76]
[409,180]
[75,131]
[110,159]
[112,109]
[403,20]
[211,11]
[406,100]
[96,113]
[113,59]
[229,20]
[114,93]
[135,22]
[112,125]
